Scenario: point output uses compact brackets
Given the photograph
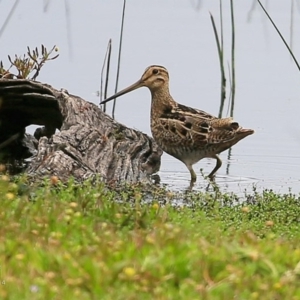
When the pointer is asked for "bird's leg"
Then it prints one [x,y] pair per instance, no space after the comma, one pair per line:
[193,174]
[216,168]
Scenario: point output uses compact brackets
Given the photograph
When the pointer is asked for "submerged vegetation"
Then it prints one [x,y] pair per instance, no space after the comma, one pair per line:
[65,241]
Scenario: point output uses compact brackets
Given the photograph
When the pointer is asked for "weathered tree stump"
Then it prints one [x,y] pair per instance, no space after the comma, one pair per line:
[78,139]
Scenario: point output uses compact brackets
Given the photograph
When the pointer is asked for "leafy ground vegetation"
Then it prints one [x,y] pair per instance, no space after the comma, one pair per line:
[93,242]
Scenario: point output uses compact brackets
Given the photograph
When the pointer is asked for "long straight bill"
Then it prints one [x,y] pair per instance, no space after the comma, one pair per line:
[132,87]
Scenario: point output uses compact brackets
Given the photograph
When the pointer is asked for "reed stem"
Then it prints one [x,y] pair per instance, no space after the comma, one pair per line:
[69,31]
[119,58]
[107,61]
[219,42]
[8,17]
[292,24]
[232,58]
[281,36]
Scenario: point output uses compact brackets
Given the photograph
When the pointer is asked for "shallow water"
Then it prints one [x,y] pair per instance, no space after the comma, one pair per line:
[178,35]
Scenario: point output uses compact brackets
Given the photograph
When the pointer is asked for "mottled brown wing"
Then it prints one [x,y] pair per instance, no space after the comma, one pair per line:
[188,126]
[195,113]
[182,126]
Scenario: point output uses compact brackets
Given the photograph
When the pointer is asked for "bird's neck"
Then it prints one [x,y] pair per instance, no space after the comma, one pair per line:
[161,101]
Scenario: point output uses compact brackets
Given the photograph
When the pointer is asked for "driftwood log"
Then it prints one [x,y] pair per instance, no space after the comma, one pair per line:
[77,138]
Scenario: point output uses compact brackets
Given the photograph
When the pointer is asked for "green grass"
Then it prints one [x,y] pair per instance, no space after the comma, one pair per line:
[89,242]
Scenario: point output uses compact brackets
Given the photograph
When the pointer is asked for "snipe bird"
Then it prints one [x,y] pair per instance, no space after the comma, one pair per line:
[186,133]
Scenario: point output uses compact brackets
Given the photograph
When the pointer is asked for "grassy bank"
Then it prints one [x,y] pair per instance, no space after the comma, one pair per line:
[68,242]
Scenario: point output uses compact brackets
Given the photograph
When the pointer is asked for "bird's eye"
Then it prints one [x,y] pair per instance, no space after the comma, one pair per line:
[155,71]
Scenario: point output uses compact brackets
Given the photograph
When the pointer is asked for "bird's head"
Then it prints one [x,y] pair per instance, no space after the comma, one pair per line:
[154,77]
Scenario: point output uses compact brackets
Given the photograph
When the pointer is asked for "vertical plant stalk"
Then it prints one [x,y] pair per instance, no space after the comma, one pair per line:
[107,62]
[230,96]
[232,59]
[281,36]
[69,31]
[9,17]
[249,15]
[68,22]
[220,48]
[107,69]
[221,27]
[298,4]
[223,78]
[119,57]
[46,5]
[230,84]
[231,76]
[292,24]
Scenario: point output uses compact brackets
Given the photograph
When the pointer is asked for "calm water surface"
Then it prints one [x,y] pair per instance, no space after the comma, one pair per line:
[178,35]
